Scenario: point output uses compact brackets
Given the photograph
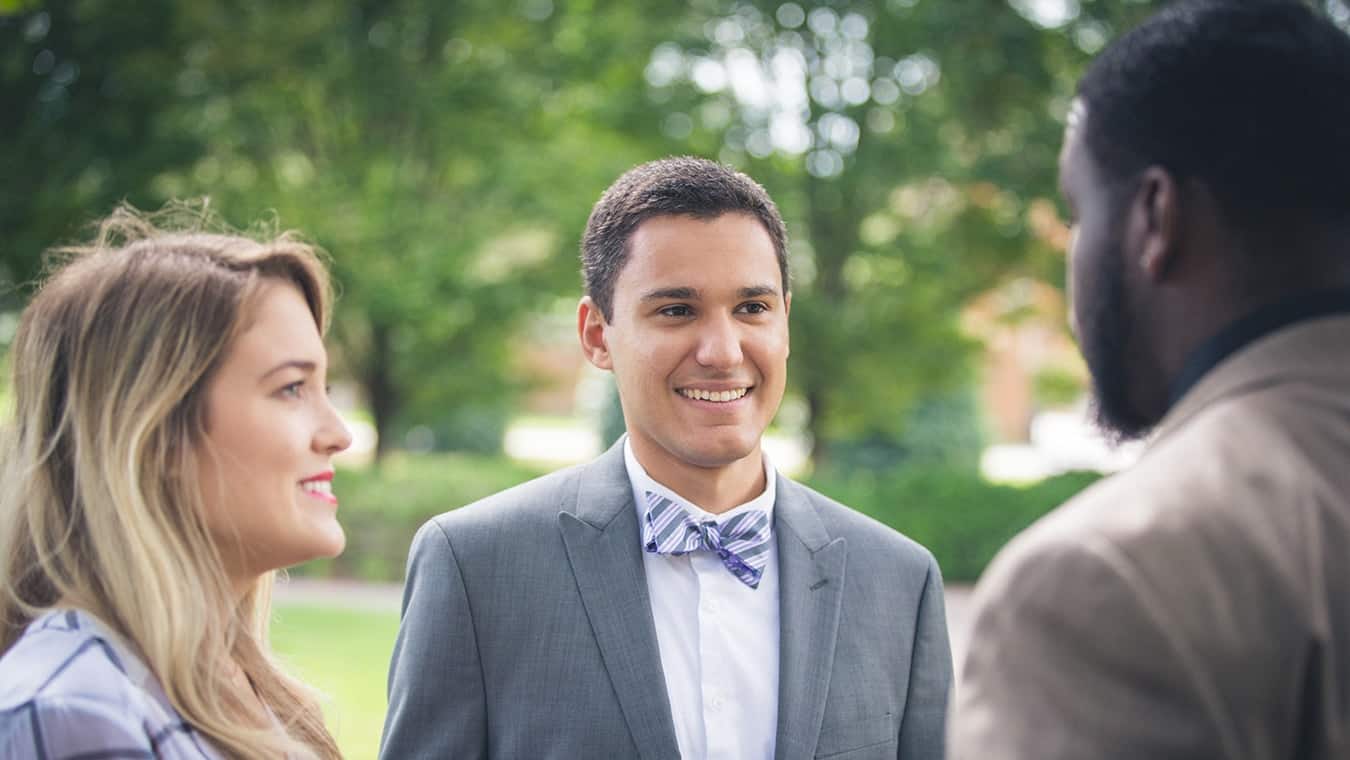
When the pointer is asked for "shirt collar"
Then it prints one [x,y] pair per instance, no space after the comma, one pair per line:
[126,656]
[1253,327]
[642,482]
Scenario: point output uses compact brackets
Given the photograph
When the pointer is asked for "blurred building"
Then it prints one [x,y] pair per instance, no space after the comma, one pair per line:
[1034,388]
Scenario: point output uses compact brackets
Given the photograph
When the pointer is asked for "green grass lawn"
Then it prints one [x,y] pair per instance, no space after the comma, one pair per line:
[345,654]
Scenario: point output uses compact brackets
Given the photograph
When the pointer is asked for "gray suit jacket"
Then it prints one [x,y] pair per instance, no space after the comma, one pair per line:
[527,632]
[1197,606]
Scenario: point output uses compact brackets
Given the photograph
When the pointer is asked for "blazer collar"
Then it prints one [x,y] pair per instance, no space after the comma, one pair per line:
[1309,349]
[1256,325]
[811,589]
[604,491]
[600,532]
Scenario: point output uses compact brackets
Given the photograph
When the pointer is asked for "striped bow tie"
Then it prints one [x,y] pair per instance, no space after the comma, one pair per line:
[742,542]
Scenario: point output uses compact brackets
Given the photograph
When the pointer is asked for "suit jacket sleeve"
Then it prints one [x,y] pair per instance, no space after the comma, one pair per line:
[437,707]
[1070,658]
[923,727]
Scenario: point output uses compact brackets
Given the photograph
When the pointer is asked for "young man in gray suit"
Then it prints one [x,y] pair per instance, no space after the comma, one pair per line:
[1198,605]
[675,597]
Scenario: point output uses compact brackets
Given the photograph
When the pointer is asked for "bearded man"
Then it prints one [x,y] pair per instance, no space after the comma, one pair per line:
[1198,604]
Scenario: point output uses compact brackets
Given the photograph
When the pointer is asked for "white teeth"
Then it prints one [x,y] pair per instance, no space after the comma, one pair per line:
[719,396]
[318,486]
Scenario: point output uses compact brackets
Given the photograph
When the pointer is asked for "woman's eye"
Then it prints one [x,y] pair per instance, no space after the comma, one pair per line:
[293,389]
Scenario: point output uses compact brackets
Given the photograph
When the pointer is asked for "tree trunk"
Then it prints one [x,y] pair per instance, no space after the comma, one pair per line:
[833,231]
[815,425]
[380,389]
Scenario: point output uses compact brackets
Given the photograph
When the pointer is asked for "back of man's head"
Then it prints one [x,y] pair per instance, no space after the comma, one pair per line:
[1250,97]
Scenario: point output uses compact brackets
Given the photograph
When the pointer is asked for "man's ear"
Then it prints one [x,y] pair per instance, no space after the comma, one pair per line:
[1158,211]
[591,326]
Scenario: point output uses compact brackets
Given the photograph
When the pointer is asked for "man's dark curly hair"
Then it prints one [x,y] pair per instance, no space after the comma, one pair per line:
[1250,97]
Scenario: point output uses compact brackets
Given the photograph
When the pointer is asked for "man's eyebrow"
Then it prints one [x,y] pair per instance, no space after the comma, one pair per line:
[666,294]
[757,291]
[300,364]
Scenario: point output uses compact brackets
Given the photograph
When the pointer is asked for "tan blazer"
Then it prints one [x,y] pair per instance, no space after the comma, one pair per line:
[1195,606]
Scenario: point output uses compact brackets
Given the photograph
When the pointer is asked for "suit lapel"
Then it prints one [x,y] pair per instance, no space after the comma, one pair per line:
[603,545]
[811,589]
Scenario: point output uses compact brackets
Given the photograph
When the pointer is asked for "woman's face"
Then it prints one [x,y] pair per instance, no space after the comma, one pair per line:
[266,471]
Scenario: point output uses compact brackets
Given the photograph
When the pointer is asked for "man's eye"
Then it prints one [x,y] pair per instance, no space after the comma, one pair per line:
[677,310]
[754,307]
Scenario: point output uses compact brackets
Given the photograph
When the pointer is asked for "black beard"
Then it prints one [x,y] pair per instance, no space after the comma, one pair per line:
[1104,340]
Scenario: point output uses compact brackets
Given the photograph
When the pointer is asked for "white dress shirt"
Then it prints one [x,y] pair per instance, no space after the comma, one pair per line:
[717,636]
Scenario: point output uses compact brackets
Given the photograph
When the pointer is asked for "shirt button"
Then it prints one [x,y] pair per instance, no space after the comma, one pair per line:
[717,703]
[710,606]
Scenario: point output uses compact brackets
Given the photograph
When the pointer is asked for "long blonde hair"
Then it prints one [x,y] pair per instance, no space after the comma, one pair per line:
[100,503]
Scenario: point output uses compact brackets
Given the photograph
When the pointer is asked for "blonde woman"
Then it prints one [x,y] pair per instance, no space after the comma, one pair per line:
[169,450]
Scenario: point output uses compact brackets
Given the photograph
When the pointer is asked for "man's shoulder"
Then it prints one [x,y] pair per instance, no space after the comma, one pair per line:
[1202,485]
[863,533]
[1220,471]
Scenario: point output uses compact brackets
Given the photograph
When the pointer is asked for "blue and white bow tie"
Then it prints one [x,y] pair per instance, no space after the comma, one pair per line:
[742,542]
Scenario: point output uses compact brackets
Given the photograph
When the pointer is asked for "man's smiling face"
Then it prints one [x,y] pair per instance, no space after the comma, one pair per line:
[698,339]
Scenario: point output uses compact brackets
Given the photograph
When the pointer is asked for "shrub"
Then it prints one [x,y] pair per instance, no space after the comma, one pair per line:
[941,430]
[960,517]
[382,508]
[478,429]
[963,519]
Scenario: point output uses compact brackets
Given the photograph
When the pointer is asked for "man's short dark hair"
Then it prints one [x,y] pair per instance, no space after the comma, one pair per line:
[1251,97]
[683,186]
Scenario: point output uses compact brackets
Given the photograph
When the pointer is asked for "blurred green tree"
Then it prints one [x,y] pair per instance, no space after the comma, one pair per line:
[89,102]
[447,154]
[913,146]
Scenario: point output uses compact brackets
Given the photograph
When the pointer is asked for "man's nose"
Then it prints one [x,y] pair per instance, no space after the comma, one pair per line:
[720,344]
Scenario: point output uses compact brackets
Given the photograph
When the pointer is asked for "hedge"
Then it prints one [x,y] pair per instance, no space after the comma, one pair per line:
[960,517]
[381,508]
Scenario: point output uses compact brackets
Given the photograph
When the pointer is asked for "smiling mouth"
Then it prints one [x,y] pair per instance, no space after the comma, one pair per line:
[319,489]
[720,397]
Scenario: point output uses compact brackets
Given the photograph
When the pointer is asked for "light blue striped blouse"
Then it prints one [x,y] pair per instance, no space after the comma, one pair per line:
[71,688]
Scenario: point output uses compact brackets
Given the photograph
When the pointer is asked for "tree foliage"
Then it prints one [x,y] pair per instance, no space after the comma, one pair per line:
[914,146]
[446,154]
[89,108]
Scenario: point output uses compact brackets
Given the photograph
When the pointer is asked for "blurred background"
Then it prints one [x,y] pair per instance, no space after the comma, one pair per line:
[446,155]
